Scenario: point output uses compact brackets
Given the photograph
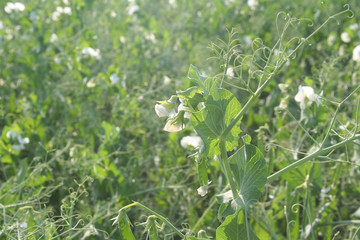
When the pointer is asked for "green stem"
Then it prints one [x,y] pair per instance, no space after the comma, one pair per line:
[227,170]
[316,154]
[272,75]
[343,222]
[165,220]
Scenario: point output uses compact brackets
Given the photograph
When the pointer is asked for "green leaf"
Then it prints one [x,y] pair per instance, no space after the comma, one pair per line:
[124,226]
[234,228]
[202,171]
[204,82]
[151,228]
[250,172]
[221,107]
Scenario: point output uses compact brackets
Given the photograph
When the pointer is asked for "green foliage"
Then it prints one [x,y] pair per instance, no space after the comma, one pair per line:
[234,227]
[80,139]
[210,123]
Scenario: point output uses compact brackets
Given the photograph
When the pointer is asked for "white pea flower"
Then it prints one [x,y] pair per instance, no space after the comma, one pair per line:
[59,11]
[191,141]
[150,37]
[345,37]
[114,78]
[307,95]
[55,16]
[11,134]
[165,110]
[252,4]
[16,7]
[230,72]
[90,52]
[132,9]
[167,80]
[354,26]
[172,3]
[356,54]
[67,10]
[113,14]
[331,40]
[174,126]
[23,225]
[53,37]
[20,141]
[202,191]
[182,107]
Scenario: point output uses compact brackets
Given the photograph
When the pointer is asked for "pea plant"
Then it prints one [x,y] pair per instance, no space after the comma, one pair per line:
[212,108]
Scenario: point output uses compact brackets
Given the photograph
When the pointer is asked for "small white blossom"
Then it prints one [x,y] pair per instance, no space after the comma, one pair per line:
[345,37]
[150,37]
[11,134]
[90,52]
[252,4]
[164,110]
[18,139]
[53,37]
[230,72]
[283,87]
[23,225]
[191,141]
[55,16]
[14,7]
[356,54]
[67,10]
[173,126]
[167,80]
[132,9]
[1,25]
[122,39]
[59,11]
[157,161]
[114,78]
[354,26]
[202,191]
[307,95]
[182,107]
[172,3]
[113,14]
[331,40]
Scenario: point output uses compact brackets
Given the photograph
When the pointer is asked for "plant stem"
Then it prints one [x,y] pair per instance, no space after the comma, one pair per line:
[273,73]
[318,153]
[165,220]
[227,170]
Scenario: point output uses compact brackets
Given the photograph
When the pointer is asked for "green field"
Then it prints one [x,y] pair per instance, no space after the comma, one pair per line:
[203,119]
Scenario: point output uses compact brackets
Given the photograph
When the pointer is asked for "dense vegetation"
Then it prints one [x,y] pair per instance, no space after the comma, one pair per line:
[80,139]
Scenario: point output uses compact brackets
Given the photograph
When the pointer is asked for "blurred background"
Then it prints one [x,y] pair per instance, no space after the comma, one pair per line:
[78,83]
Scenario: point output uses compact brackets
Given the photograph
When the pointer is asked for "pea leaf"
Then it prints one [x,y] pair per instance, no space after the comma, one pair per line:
[124,226]
[234,228]
[202,171]
[204,82]
[221,107]
[250,172]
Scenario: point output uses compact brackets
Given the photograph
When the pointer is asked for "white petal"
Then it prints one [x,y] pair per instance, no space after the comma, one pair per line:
[191,141]
[170,126]
[162,111]
[300,97]
[356,54]
[202,191]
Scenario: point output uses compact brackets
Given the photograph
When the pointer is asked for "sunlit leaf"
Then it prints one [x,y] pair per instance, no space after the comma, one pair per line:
[234,228]
[250,172]
[221,107]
